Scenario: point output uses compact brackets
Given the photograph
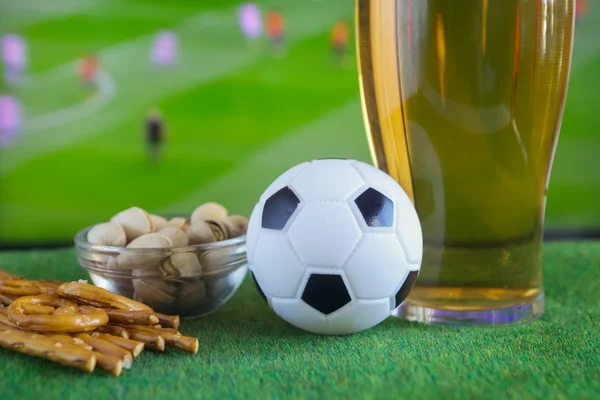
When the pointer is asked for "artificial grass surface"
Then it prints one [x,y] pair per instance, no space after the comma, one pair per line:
[247,352]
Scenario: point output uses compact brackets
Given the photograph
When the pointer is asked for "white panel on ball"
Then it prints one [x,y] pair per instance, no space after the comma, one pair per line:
[358,316]
[254,230]
[301,315]
[377,266]
[276,266]
[324,234]
[327,180]
[410,234]
[282,181]
[406,220]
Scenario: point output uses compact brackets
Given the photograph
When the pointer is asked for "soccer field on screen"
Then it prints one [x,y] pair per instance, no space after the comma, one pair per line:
[237,115]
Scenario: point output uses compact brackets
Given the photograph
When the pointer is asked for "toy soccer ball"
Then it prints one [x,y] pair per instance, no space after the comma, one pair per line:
[334,246]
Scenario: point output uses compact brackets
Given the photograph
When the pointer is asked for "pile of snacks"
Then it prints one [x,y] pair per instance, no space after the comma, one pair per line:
[135,228]
[81,325]
[156,263]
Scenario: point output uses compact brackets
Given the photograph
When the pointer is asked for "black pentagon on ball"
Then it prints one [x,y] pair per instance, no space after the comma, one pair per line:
[408,284]
[376,208]
[279,208]
[262,294]
[326,293]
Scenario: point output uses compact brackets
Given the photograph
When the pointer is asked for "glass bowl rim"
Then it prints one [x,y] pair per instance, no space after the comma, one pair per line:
[82,243]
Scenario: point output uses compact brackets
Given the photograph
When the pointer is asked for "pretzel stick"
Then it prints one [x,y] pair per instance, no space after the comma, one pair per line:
[133,346]
[43,347]
[89,294]
[186,343]
[127,317]
[152,340]
[22,287]
[6,299]
[168,321]
[113,330]
[167,330]
[110,364]
[110,349]
[59,337]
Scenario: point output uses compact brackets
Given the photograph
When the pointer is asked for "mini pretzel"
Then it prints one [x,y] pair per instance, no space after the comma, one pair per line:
[98,297]
[67,316]
[22,287]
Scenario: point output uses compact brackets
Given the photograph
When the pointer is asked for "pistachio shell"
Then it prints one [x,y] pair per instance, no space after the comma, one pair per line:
[191,295]
[177,236]
[152,292]
[178,222]
[208,211]
[236,225]
[135,221]
[158,222]
[160,245]
[219,229]
[187,264]
[107,234]
[200,233]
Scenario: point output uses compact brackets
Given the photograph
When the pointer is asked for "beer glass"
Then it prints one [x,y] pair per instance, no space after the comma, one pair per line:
[463,101]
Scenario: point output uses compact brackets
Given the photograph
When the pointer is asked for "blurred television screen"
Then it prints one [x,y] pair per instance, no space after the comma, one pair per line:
[167,104]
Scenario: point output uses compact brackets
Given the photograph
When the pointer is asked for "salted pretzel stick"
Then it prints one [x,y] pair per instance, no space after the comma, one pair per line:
[127,317]
[43,347]
[133,346]
[110,349]
[113,330]
[110,364]
[59,337]
[168,321]
[23,287]
[6,299]
[89,294]
[152,340]
[186,343]
[68,316]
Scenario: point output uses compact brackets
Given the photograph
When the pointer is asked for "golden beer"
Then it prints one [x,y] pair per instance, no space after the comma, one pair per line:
[463,101]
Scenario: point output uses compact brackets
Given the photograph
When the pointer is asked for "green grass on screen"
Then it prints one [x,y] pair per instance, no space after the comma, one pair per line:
[237,115]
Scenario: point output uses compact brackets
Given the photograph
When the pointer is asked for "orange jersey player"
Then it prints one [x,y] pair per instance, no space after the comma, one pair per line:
[88,70]
[275,25]
[339,39]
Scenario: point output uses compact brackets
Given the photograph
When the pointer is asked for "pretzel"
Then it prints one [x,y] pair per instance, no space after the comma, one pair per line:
[6,299]
[133,346]
[45,347]
[169,321]
[127,317]
[7,275]
[67,317]
[98,297]
[23,287]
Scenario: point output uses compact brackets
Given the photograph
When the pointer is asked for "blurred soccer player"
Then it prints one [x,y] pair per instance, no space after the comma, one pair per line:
[250,21]
[155,135]
[165,49]
[10,120]
[14,57]
[275,29]
[88,71]
[339,40]
[581,7]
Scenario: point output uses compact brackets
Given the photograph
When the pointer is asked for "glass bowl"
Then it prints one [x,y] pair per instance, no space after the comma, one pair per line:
[190,281]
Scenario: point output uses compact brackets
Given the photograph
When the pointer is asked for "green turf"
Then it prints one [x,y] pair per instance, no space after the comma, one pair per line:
[227,106]
[247,352]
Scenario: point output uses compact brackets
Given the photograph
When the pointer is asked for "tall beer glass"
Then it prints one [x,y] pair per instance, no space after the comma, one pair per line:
[463,101]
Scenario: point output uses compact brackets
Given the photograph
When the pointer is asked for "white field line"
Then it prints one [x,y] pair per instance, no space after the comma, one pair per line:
[106,90]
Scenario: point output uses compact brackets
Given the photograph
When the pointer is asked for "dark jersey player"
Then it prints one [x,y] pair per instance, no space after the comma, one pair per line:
[155,135]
